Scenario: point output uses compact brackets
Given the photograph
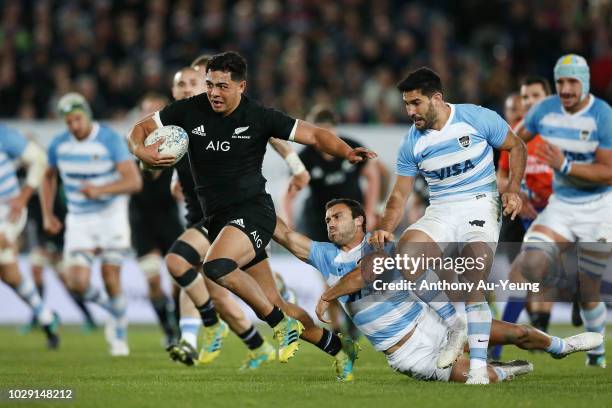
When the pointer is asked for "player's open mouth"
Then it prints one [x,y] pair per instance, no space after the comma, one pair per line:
[217,104]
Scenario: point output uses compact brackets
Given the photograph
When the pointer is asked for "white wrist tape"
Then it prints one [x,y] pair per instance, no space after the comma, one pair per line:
[295,163]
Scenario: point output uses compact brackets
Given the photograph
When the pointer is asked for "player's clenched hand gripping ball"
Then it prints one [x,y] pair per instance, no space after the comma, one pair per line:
[169,146]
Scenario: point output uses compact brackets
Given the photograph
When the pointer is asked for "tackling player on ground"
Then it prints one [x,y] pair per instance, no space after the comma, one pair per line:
[410,333]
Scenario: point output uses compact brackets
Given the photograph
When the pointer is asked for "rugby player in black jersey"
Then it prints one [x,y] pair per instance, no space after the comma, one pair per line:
[187,253]
[186,83]
[228,135]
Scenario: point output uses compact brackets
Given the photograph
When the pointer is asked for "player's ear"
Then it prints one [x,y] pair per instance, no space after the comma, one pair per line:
[242,86]
[359,221]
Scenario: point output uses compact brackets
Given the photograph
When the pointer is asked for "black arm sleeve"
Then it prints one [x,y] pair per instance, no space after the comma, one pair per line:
[278,124]
[173,113]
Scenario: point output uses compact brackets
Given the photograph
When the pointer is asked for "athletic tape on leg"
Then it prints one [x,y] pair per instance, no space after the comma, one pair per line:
[218,268]
[185,251]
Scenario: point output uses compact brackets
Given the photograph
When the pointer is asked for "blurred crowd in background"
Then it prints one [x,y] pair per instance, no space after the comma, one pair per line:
[348,54]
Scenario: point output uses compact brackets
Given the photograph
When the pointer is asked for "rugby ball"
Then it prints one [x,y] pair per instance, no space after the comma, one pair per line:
[176,141]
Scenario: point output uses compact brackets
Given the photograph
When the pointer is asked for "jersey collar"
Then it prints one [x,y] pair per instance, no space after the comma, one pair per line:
[450,117]
[95,129]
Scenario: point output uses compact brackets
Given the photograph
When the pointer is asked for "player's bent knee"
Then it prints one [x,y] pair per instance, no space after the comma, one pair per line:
[185,251]
[187,278]
[7,256]
[217,269]
[150,265]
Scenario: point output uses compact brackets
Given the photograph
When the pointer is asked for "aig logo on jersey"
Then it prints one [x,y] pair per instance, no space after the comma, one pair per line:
[218,146]
[465,141]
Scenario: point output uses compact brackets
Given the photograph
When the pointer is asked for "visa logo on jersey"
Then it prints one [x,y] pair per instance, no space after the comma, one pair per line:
[454,170]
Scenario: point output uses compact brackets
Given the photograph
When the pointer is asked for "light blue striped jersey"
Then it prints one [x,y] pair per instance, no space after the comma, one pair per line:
[578,135]
[12,145]
[384,318]
[92,160]
[457,159]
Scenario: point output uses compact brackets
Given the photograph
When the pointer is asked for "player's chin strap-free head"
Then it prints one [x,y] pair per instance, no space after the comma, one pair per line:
[574,66]
[72,102]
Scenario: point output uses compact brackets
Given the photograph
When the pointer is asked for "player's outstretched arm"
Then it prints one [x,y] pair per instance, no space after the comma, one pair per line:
[298,244]
[511,199]
[149,154]
[394,209]
[327,142]
[350,283]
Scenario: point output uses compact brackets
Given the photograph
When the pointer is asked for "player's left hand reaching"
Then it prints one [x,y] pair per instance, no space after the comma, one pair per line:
[90,191]
[551,155]
[299,181]
[321,311]
[512,204]
[360,154]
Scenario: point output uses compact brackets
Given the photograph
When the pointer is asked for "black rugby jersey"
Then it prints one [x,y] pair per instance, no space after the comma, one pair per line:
[226,152]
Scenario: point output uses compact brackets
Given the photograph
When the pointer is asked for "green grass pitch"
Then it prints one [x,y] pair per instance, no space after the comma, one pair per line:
[147,378]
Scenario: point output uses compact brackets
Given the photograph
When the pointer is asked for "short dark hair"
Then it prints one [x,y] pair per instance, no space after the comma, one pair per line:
[355,207]
[231,62]
[423,79]
[322,114]
[534,79]
[201,60]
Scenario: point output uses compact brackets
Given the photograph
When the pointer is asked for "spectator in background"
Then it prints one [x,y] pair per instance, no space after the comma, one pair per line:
[305,52]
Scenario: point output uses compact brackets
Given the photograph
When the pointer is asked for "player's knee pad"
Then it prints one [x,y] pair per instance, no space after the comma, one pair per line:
[218,268]
[539,257]
[592,265]
[112,256]
[78,258]
[185,251]
[538,241]
[38,258]
[188,278]
[150,265]
[7,256]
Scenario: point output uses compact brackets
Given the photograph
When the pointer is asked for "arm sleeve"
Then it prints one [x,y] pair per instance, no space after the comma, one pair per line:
[170,114]
[494,128]
[13,142]
[316,258]
[406,164]
[118,148]
[279,124]
[604,128]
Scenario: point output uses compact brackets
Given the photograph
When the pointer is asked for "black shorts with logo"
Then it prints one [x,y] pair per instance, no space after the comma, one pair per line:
[256,218]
